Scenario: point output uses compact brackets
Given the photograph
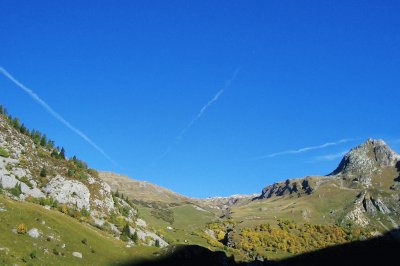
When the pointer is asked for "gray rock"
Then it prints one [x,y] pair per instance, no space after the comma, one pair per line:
[369,206]
[34,233]
[70,192]
[77,254]
[381,206]
[365,158]
[143,234]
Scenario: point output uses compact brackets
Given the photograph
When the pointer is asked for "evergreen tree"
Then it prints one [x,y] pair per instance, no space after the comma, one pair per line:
[62,153]
[135,238]
[43,172]
[43,140]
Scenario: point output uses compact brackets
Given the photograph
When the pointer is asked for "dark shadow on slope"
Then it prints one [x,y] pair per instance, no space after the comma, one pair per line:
[398,170]
[384,250]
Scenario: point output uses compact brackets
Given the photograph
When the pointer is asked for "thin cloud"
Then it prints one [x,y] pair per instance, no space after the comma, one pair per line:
[331,157]
[56,115]
[213,100]
[208,104]
[305,149]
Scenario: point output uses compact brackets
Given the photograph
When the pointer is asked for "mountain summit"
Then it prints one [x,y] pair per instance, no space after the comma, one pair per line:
[367,158]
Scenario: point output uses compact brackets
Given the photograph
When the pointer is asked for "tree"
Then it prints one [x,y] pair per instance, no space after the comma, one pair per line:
[157,243]
[43,172]
[134,237]
[43,140]
[62,153]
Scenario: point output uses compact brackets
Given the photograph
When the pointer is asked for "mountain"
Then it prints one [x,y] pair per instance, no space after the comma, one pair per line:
[363,189]
[43,193]
[55,208]
[141,190]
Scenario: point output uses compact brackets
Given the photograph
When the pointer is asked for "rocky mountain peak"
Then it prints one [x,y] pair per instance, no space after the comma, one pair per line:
[367,157]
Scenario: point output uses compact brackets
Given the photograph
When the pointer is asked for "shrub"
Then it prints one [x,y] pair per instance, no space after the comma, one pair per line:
[43,172]
[56,252]
[9,167]
[21,229]
[16,190]
[63,208]
[33,254]
[4,153]
[84,241]
[85,212]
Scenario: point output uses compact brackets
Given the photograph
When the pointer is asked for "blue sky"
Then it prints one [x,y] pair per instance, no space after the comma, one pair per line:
[244,81]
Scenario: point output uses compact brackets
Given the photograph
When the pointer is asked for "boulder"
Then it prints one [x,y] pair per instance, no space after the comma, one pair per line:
[34,233]
[77,254]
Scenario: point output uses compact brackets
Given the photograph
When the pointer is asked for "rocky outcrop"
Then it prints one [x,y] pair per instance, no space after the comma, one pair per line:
[290,186]
[364,159]
[224,203]
[148,237]
[70,192]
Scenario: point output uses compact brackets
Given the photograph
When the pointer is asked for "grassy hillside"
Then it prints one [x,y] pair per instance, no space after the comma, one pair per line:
[57,230]
[141,190]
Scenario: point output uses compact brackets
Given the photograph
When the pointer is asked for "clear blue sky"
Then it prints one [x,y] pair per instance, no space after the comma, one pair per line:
[134,75]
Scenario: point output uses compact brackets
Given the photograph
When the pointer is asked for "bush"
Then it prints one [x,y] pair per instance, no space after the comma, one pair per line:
[16,190]
[4,153]
[84,241]
[21,229]
[43,172]
[33,254]
[63,208]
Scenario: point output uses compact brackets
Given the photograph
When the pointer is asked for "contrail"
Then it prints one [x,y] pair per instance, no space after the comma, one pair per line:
[199,115]
[208,104]
[56,115]
[305,149]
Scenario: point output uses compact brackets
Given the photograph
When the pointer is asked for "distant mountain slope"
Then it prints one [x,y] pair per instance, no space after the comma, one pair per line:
[141,190]
[364,190]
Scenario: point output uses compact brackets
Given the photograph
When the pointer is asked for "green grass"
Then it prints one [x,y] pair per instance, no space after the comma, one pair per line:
[187,220]
[100,248]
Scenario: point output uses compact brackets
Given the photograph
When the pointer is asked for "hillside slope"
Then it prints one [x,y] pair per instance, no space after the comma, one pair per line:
[141,190]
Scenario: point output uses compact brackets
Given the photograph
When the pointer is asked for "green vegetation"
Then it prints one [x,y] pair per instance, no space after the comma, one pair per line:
[59,237]
[164,214]
[16,190]
[294,239]
[4,153]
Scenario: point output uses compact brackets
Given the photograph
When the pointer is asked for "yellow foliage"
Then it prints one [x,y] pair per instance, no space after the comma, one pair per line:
[21,229]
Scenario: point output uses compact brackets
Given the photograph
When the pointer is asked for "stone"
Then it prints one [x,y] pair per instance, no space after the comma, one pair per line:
[381,206]
[141,222]
[34,233]
[77,254]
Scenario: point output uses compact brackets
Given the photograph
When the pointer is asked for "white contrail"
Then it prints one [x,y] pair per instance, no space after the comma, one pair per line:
[305,149]
[55,114]
[199,115]
[208,104]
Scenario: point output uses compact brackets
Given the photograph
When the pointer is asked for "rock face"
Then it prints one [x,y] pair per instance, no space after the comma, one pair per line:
[290,186]
[69,192]
[364,159]
[224,202]
[149,237]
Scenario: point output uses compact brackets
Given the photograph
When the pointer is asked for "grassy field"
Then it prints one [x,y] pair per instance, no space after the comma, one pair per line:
[57,230]
[187,220]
